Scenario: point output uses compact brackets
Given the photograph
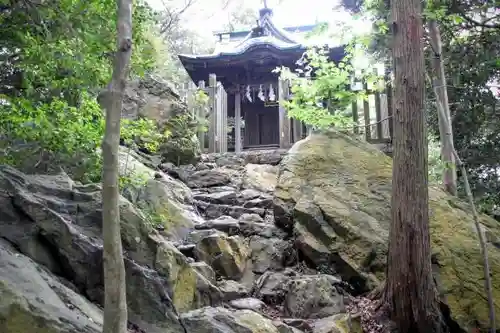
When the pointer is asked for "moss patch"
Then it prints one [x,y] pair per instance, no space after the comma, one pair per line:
[349,183]
[160,204]
[19,320]
[185,290]
[346,324]
[227,255]
[255,322]
[17,317]
[181,276]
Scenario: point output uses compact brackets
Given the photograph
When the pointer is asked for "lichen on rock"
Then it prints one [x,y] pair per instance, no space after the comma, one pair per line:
[335,190]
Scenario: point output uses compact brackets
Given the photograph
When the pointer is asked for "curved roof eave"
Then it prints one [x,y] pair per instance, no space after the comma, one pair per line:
[278,32]
[269,45]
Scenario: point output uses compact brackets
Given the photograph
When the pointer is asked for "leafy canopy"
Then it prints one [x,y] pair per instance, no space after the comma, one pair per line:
[322,91]
[57,56]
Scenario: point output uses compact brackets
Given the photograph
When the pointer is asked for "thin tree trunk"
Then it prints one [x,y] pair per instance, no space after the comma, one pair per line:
[115,304]
[410,291]
[441,92]
[482,241]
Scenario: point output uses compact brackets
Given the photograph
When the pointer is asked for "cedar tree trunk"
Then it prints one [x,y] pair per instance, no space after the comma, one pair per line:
[410,291]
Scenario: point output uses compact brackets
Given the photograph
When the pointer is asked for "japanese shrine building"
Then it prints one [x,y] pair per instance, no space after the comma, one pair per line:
[240,80]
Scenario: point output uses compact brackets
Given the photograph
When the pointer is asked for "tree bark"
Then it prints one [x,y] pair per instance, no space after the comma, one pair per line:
[115,304]
[410,291]
[441,92]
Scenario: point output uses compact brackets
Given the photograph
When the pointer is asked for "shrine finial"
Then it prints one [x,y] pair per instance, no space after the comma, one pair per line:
[265,10]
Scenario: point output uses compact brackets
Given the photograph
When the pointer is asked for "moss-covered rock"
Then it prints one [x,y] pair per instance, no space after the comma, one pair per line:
[261,177]
[190,290]
[222,320]
[340,323]
[34,301]
[335,191]
[162,199]
[163,204]
[227,255]
[58,223]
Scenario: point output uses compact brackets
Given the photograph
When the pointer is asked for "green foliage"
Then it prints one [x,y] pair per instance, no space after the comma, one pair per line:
[182,147]
[471,53]
[56,56]
[436,166]
[200,104]
[72,134]
[142,134]
[132,180]
[53,128]
[320,88]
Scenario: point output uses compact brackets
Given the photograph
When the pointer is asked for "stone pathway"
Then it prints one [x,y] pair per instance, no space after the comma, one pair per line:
[238,247]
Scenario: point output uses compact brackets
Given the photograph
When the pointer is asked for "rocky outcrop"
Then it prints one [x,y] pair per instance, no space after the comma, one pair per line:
[57,223]
[156,99]
[263,242]
[33,300]
[205,262]
[151,97]
[333,193]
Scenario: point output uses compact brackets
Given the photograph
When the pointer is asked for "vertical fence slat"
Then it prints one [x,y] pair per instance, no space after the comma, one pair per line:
[388,89]
[212,90]
[378,111]
[202,115]
[237,122]
[355,116]
[284,121]
[224,119]
[366,112]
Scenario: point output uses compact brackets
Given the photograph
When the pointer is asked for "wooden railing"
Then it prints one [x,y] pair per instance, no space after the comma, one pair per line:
[372,116]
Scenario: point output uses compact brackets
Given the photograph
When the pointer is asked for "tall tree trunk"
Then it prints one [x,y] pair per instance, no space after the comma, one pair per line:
[441,92]
[115,304]
[410,291]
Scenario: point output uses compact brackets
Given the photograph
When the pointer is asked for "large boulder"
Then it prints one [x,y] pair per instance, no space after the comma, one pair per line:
[58,224]
[163,200]
[33,300]
[156,99]
[221,320]
[152,98]
[227,255]
[333,193]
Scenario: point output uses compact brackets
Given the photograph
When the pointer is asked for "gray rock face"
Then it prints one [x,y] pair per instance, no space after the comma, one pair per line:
[156,99]
[313,296]
[33,300]
[200,238]
[152,98]
[221,320]
[271,254]
[58,224]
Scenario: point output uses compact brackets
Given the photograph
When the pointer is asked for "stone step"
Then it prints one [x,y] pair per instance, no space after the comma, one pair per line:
[245,199]
[213,211]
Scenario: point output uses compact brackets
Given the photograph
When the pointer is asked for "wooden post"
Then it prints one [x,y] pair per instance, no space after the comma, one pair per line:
[366,111]
[202,115]
[237,122]
[378,112]
[212,124]
[284,121]
[297,130]
[190,97]
[224,119]
[218,112]
[388,88]
[355,116]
